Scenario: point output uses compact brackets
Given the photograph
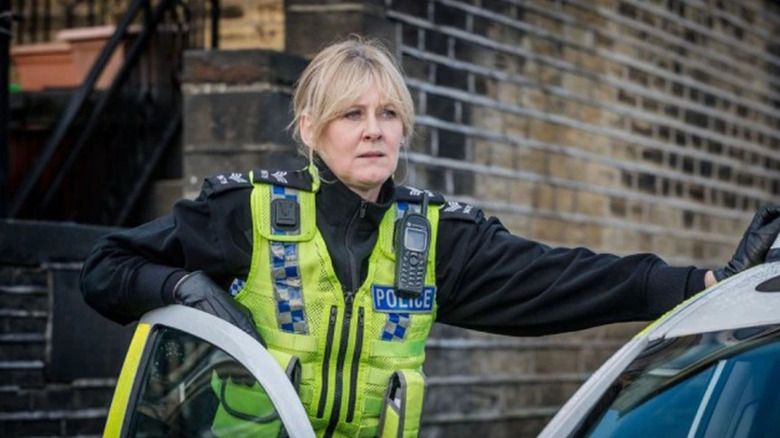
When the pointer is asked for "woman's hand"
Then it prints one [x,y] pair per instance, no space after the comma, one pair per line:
[199,291]
[752,249]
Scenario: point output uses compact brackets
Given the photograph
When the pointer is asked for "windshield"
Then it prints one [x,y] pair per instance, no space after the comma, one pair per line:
[720,384]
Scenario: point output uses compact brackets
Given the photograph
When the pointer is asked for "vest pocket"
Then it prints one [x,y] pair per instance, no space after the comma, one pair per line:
[402,405]
[244,410]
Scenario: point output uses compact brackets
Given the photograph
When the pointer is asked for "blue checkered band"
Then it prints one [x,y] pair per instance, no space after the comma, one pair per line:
[395,326]
[286,276]
[236,286]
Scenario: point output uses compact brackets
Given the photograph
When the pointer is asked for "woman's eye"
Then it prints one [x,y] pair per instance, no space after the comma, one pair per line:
[352,115]
[390,113]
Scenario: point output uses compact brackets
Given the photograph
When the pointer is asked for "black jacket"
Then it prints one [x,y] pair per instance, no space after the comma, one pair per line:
[487,279]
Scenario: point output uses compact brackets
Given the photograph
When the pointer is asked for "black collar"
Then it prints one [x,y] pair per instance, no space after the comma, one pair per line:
[338,204]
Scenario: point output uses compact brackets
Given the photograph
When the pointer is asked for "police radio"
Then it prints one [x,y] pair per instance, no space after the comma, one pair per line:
[412,239]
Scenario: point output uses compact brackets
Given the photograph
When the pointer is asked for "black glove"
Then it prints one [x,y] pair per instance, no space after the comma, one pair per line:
[199,291]
[755,244]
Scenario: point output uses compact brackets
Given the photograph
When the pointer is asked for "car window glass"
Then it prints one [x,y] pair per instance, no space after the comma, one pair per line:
[191,388]
[722,384]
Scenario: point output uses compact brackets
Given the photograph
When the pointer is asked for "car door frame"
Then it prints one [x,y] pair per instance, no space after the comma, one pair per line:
[221,334]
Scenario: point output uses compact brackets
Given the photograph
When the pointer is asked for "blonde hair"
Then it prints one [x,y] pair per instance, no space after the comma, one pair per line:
[338,76]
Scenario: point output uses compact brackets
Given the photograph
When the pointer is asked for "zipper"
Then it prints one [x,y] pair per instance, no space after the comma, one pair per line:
[355,367]
[349,298]
[326,361]
[343,345]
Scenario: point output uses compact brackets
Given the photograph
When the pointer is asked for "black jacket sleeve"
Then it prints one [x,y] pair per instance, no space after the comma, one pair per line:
[133,271]
[493,281]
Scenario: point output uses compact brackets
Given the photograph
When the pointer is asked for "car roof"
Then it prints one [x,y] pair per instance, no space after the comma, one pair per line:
[730,304]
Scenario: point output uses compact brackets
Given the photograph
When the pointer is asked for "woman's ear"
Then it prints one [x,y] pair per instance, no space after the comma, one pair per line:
[306,129]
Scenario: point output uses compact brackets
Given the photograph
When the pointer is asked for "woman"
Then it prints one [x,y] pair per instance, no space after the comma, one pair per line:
[315,254]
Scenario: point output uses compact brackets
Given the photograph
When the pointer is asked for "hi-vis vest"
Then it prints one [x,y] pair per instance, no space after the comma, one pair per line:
[361,353]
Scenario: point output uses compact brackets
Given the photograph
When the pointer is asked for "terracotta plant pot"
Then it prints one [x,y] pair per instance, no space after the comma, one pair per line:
[87,43]
[46,65]
[66,62]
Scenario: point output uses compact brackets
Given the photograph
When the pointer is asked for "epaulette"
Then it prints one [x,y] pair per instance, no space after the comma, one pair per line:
[296,179]
[459,210]
[412,194]
[225,181]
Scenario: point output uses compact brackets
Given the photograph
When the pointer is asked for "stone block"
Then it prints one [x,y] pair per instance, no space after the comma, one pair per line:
[564,166]
[517,224]
[533,160]
[592,204]
[541,130]
[600,174]
[491,188]
[252,24]
[235,118]
[84,426]
[489,119]
[549,230]
[564,200]
[241,67]
[503,155]
[557,361]
[27,428]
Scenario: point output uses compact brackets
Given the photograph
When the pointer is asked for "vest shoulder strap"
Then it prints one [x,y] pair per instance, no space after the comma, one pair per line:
[448,210]
[453,210]
[415,195]
[295,179]
[222,182]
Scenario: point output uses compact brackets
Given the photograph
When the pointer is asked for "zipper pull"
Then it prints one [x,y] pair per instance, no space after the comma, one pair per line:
[349,297]
[333,313]
[363,206]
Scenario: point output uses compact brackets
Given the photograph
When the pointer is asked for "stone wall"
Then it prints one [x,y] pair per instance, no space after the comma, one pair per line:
[623,126]
[620,125]
[236,110]
[251,24]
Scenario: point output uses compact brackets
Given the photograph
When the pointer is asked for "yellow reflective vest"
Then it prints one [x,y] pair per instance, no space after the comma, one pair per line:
[360,352]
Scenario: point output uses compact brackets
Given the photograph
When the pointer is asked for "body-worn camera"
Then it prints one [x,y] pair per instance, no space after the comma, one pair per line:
[412,241]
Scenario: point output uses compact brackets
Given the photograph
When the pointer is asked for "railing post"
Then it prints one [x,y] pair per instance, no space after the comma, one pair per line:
[215,24]
[5,39]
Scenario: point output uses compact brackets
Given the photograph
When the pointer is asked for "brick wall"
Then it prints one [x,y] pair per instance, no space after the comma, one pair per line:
[623,126]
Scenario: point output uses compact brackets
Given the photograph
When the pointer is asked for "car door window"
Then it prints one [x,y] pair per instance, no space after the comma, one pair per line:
[191,388]
[719,384]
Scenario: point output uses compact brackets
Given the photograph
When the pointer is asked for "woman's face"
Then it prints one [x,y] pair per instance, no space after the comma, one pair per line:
[361,145]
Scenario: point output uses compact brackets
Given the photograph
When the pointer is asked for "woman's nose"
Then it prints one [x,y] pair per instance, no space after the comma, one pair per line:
[373,129]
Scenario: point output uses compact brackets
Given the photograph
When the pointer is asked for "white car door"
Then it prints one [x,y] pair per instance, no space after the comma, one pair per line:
[190,374]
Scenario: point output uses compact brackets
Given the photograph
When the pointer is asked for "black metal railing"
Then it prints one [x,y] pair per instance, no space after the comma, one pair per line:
[43,18]
[108,145]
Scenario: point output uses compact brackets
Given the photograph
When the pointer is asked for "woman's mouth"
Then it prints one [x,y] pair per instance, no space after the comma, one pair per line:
[375,154]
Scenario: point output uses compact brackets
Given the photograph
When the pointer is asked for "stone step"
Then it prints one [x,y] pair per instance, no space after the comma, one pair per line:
[499,393]
[21,275]
[502,355]
[521,423]
[62,410]
[22,346]
[22,321]
[21,373]
[53,423]
[33,298]
[82,393]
